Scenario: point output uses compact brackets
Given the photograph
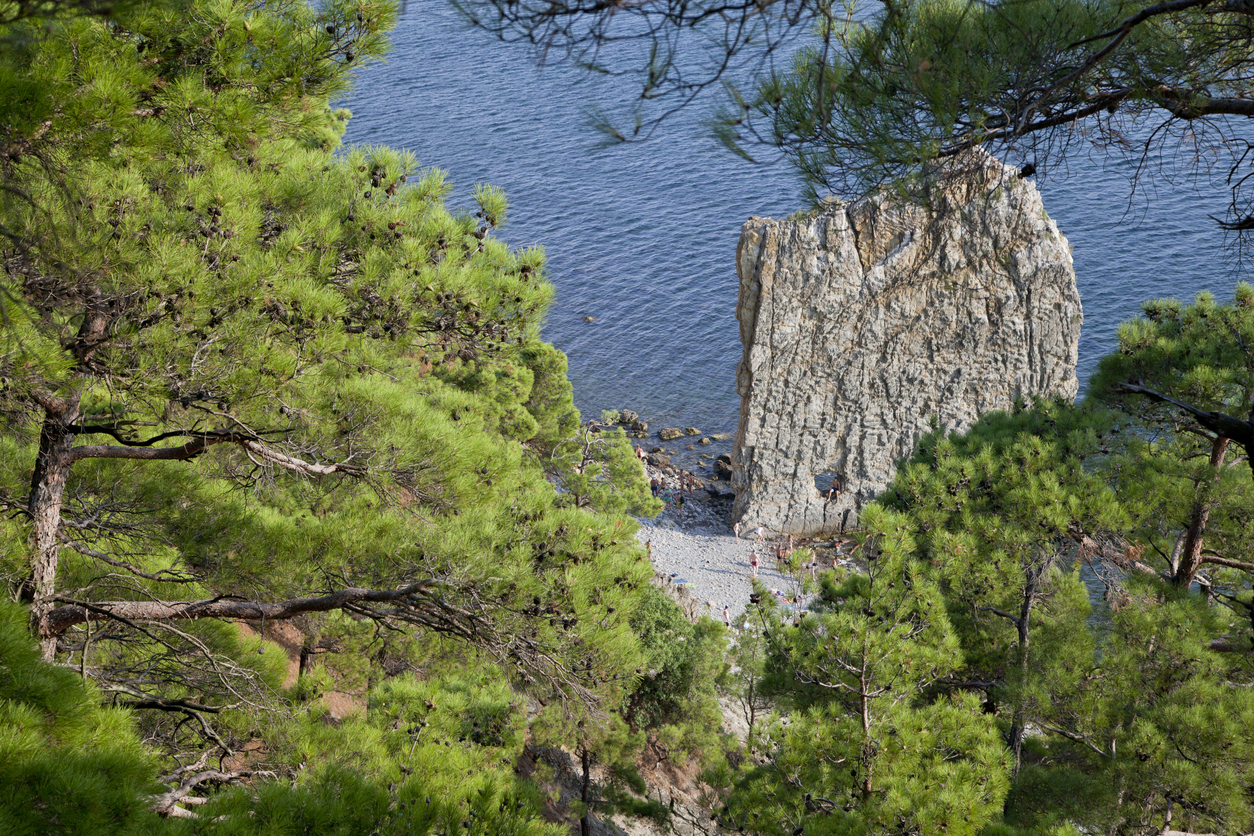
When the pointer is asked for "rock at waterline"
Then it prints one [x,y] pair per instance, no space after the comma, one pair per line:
[628,416]
[669,433]
[915,313]
[691,431]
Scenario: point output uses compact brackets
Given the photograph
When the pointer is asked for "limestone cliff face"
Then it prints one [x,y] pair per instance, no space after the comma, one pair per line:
[864,322]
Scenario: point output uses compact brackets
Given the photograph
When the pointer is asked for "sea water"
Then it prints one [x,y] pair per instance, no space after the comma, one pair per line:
[641,238]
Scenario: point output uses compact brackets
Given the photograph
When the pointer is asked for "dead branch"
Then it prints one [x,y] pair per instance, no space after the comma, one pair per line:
[199,442]
[165,804]
[76,612]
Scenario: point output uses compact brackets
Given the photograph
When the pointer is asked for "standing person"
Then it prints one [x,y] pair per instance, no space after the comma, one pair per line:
[726,617]
[653,486]
[758,535]
[736,529]
[753,560]
[779,558]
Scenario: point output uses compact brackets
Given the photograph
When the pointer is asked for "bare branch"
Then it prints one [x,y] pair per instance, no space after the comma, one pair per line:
[165,575]
[1216,560]
[203,441]
[1239,431]
[1078,738]
[77,612]
[165,804]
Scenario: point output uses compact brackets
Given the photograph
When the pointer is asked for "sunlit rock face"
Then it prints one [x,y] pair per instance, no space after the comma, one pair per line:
[864,323]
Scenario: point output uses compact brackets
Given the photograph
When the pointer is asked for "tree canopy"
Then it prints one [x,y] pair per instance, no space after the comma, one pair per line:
[281,433]
[255,390]
[1008,658]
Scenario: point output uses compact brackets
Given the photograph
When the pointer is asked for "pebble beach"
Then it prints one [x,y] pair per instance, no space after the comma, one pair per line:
[695,547]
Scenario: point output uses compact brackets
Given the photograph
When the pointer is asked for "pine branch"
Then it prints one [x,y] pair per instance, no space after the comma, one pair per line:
[77,612]
[1013,618]
[1239,431]
[1216,560]
[166,575]
[202,441]
[1078,738]
[165,805]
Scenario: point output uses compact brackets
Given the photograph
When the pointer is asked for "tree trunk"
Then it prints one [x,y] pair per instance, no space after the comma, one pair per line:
[585,822]
[1018,726]
[47,489]
[1188,554]
[868,754]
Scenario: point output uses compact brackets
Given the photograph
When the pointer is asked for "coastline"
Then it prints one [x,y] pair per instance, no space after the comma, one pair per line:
[695,548]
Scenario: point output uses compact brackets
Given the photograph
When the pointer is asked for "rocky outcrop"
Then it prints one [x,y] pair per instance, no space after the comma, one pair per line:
[861,324]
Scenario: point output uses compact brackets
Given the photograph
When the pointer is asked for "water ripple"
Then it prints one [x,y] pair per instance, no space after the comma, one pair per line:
[642,238]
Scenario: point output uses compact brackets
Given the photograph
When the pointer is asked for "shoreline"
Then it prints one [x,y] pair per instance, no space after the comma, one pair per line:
[696,549]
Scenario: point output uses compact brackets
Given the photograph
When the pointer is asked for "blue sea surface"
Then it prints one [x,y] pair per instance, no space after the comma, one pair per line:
[642,237]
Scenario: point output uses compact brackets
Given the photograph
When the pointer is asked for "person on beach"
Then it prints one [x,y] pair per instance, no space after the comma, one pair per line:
[736,529]
[753,561]
[653,486]
[726,617]
[758,535]
[779,558]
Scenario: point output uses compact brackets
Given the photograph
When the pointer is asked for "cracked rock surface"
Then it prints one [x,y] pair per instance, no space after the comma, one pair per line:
[863,323]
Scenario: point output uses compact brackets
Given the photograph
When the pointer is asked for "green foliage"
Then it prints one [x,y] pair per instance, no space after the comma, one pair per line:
[598,469]
[1002,506]
[70,766]
[866,749]
[880,93]
[67,765]
[1169,710]
[279,374]
[1198,353]
[974,643]
[1183,377]
[675,694]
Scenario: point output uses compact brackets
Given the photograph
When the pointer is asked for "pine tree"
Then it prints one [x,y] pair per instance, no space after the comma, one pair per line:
[247,380]
[865,748]
[1183,375]
[1005,508]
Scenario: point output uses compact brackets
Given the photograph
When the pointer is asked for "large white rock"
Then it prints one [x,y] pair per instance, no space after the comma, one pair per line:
[863,323]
